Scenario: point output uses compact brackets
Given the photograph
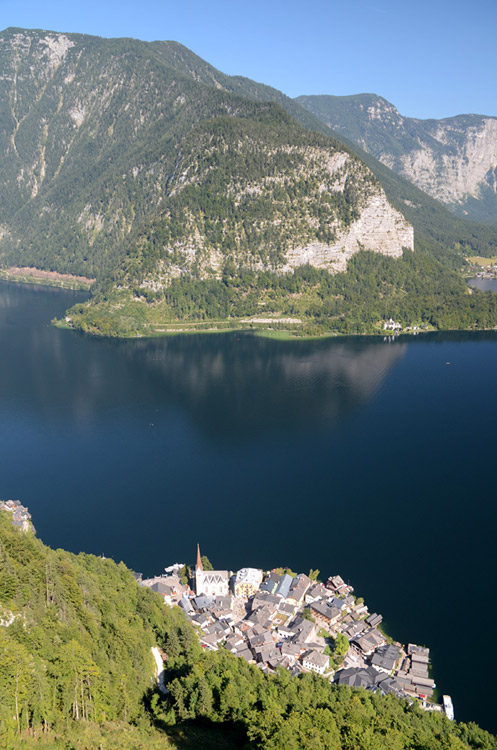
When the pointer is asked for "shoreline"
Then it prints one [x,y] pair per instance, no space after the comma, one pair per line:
[269,333]
[55,280]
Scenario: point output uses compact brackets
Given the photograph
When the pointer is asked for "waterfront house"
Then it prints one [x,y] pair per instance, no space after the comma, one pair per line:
[247,582]
[316,592]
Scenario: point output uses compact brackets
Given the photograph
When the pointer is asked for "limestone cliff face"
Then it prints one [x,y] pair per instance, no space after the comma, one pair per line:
[379,228]
[461,164]
[454,160]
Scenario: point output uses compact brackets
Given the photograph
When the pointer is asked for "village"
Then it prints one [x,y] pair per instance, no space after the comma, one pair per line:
[21,517]
[280,619]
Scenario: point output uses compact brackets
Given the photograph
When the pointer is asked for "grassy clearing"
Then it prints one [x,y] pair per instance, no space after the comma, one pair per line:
[478,260]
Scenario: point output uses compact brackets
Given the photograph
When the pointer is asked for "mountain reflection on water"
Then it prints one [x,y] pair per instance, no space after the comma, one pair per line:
[285,385]
[72,378]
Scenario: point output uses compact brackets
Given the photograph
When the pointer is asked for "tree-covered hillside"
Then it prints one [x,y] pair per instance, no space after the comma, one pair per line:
[76,671]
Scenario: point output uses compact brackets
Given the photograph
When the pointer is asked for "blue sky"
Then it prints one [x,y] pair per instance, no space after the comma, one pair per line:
[430,58]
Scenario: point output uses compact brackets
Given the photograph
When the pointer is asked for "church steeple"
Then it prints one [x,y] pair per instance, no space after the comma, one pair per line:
[199,566]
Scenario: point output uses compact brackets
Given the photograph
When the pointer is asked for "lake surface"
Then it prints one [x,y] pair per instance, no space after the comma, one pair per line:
[364,457]
[485,285]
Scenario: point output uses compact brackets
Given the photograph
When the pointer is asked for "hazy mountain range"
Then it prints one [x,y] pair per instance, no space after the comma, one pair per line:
[454,159]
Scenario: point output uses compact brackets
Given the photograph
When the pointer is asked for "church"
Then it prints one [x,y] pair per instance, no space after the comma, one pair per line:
[210,582]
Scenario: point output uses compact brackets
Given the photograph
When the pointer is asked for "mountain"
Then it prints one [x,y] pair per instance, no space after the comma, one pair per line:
[454,159]
[194,196]
[92,159]
[76,670]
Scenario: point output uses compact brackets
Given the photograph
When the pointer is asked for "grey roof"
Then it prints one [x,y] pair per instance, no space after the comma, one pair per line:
[374,619]
[284,585]
[369,641]
[393,686]
[361,677]
[413,649]
[303,629]
[260,640]
[245,654]
[185,604]
[354,628]
[324,610]
[162,588]
[316,658]
[264,597]
[203,602]
[385,657]
[299,586]
[271,583]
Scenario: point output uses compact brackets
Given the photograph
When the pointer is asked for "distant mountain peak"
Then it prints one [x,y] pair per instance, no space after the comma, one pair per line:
[453,159]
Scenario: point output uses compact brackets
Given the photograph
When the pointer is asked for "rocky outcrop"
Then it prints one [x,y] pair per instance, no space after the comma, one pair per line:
[459,166]
[379,228]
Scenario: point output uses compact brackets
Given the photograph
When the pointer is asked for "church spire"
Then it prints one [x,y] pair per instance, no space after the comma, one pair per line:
[199,565]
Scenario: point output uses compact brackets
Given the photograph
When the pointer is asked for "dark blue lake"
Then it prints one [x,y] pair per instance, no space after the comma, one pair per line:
[364,457]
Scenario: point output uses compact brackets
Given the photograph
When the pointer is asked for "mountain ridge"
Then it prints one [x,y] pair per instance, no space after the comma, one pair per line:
[453,159]
[185,191]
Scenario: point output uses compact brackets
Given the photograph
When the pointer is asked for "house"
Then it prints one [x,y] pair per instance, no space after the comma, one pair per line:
[202,603]
[385,658]
[186,605]
[324,614]
[291,650]
[369,641]
[285,611]
[315,662]
[284,585]
[247,582]
[391,325]
[209,641]
[392,686]
[271,583]
[298,589]
[338,585]
[261,640]
[304,630]
[355,628]
[374,620]
[316,592]
[263,598]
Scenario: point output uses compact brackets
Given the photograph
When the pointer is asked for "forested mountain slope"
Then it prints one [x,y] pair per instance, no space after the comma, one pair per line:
[102,138]
[76,670]
[190,195]
[454,159]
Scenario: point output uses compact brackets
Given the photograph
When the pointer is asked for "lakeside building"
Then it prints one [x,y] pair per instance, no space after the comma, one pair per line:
[211,582]
[247,582]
